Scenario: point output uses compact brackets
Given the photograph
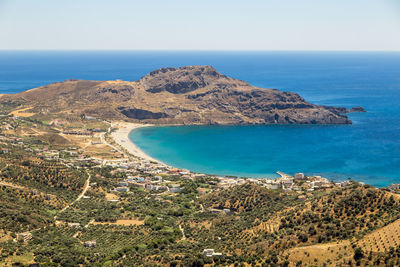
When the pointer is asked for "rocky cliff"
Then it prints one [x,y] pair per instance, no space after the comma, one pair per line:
[186,95]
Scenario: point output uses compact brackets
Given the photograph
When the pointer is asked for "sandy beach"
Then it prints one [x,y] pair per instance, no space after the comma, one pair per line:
[121,137]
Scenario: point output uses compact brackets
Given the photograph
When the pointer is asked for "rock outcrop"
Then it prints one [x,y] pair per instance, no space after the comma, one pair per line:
[186,95]
[358,109]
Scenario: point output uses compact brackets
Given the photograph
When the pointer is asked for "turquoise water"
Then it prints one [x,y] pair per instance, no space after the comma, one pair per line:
[368,150]
[336,152]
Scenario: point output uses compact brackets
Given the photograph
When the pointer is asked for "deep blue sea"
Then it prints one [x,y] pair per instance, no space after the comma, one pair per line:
[368,150]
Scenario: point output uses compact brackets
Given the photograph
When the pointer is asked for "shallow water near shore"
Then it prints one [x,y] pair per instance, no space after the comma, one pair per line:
[336,152]
[368,150]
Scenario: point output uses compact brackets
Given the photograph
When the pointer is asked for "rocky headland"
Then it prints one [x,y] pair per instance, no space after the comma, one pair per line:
[187,95]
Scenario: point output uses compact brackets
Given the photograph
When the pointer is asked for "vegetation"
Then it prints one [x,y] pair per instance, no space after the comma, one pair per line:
[51,206]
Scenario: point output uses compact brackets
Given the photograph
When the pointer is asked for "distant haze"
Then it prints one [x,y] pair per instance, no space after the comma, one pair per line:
[200,25]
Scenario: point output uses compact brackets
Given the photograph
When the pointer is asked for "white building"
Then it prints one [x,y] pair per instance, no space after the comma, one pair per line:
[122,189]
[209,252]
[299,176]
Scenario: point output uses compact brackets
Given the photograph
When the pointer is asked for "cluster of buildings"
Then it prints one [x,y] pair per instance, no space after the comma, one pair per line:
[90,244]
[149,175]
[298,182]
[152,173]
[154,183]
[78,132]
[5,126]
[24,237]
[394,187]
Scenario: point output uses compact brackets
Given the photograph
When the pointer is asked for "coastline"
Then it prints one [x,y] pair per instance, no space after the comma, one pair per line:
[121,137]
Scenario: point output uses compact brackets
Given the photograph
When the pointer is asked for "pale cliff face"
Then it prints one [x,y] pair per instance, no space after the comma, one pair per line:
[187,95]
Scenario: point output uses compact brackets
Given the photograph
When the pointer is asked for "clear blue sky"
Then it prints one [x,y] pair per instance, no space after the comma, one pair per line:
[200,24]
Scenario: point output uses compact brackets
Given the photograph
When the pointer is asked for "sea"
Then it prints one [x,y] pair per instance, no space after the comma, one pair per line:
[367,151]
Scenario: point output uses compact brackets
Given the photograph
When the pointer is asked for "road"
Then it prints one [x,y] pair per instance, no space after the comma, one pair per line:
[183,233]
[283,175]
[85,189]
[202,208]
[103,140]
[12,185]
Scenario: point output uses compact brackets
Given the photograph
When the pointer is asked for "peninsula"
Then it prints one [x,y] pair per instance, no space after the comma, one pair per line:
[188,95]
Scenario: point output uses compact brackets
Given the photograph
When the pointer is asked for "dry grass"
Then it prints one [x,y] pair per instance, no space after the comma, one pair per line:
[4,237]
[111,196]
[25,259]
[382,239]
[101,151]
[27,131]
[205,224]
[22,112]
[331,254]
[81,141]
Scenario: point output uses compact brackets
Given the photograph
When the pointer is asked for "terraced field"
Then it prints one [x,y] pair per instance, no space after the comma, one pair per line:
[382,239]
[378,241]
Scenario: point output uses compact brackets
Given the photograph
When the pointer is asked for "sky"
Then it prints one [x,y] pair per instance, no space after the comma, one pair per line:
[200,25]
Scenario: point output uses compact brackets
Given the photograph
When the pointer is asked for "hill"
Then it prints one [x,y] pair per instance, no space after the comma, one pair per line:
[186,95]
[279,228]
[60,206]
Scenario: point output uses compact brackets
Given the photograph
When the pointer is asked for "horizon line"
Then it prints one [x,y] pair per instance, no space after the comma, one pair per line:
[185,50]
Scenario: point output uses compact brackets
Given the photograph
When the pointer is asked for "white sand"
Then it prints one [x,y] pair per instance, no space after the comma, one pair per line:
[121,138]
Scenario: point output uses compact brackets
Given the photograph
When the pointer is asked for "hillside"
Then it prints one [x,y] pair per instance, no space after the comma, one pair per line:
[186,95]
[73,200]
[280,228]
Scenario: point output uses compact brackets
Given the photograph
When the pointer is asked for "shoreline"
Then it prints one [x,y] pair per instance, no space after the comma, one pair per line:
[121,137]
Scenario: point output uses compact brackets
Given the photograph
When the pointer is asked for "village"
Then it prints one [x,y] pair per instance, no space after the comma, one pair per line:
[149,175]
